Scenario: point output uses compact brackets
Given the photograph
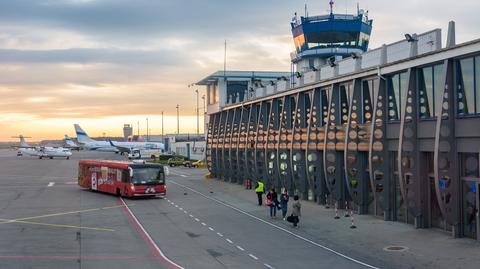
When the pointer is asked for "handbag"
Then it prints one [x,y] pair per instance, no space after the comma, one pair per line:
[268,202]
[290,218]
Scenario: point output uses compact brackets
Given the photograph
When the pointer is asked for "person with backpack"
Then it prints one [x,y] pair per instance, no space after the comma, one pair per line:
[296,211]
[284,203]
[272,202]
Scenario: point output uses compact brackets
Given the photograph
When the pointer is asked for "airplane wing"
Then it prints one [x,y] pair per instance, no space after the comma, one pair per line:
[120,148]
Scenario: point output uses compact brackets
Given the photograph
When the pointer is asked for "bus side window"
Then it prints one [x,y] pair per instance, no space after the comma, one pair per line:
[125,176]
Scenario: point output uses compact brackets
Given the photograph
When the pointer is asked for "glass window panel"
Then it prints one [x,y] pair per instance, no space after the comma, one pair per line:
[477,81]
[466,94]
[426,92]
[393,97]
[438,88]
[403,91]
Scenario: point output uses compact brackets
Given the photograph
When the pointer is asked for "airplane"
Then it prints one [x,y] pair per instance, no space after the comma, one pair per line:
[42,152]
[91,144]
[70,144]
[113,146]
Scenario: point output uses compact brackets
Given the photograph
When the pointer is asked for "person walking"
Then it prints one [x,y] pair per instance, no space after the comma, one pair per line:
[284,203]
[260,189]
[272,202]
[296,211]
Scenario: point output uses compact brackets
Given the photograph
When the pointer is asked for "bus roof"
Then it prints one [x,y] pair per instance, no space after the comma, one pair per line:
[116,164]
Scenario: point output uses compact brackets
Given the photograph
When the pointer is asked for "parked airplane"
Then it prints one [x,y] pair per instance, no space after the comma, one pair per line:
[42,152]
[92,144]
[70,144]
[114,146]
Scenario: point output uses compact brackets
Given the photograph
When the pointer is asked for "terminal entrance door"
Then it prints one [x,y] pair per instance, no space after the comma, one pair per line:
[470,207]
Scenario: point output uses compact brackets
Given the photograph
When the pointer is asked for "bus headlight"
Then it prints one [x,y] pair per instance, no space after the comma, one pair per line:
[132,187]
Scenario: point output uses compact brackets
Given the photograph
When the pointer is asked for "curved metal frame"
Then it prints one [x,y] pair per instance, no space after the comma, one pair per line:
[332,165]
[355,159]
[315,146]
[408,153]
[446,180]
[271,151]
[378,154]
[286,122]
[298,151]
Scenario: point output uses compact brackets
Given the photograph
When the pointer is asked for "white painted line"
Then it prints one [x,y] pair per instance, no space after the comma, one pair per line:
[183,175]
[253,257]
[229,241]
[191,216]
[181,208]
[204,224]
[278,227]
[268,266]
[184,211]
[148,237]
[71,183]
[176,206]
[197,219]
[51,184]
[211,229]
[219,234]
[240,248]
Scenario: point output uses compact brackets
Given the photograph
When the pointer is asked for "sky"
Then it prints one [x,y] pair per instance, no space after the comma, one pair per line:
[103,63]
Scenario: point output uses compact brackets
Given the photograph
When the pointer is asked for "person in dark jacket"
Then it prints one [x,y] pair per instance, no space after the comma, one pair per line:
[284,203]
[296,211]
[272,202]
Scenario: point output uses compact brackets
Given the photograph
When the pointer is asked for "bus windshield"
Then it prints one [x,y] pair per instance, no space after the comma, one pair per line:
[148,176]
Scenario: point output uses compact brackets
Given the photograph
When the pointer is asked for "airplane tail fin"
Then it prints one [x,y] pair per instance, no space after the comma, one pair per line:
[82,136]
[23,143]
[69,141]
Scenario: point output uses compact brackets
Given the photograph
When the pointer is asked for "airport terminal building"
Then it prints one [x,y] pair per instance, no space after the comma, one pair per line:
[393,131]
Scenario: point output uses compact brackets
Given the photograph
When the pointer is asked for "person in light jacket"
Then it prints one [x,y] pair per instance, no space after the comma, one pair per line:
[296,211]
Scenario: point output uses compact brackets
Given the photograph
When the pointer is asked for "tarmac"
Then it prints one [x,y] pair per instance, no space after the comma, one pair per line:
[47,221]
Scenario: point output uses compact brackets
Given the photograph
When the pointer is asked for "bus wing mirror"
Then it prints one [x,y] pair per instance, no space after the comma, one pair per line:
[130,171]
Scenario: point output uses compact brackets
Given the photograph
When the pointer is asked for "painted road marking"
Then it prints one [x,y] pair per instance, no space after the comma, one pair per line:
[211,229]
[219,234]
[59,225]
[183,175]
[229,241]
[51,184]
[191,216]
[278,227]
[61,214]
[197,219]
[204,224]
[157,251]
[181,208]
[268,266]
[240,248]
[185,211]
[253,257]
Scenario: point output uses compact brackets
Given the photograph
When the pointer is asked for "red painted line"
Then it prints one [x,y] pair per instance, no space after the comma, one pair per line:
[148,239]
[31,257]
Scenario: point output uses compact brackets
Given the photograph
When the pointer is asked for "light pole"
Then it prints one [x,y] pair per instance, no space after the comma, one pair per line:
[198,116]
[147,130]
[178,119]
[162,126]
[204,104]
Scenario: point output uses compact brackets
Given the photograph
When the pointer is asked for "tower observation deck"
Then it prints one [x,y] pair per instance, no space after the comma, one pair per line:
[319,38]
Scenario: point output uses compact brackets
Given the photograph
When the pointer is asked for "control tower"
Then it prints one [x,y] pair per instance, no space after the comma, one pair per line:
[324,38]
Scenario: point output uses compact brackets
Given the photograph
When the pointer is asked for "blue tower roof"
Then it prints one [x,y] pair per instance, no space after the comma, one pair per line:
[330,35]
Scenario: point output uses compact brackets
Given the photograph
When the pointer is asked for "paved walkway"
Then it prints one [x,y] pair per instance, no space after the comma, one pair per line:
[424,248]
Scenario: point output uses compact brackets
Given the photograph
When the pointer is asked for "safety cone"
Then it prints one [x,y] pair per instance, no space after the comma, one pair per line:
[353,221]
[326,202]
[336,211]
[346,210]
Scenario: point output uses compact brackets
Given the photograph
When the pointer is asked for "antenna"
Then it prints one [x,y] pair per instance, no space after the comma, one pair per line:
[225,60]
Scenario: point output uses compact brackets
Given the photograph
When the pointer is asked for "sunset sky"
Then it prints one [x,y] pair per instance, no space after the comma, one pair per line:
[103,63]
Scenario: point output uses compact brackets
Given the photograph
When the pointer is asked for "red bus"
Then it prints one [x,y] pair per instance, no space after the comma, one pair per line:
[129,179]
